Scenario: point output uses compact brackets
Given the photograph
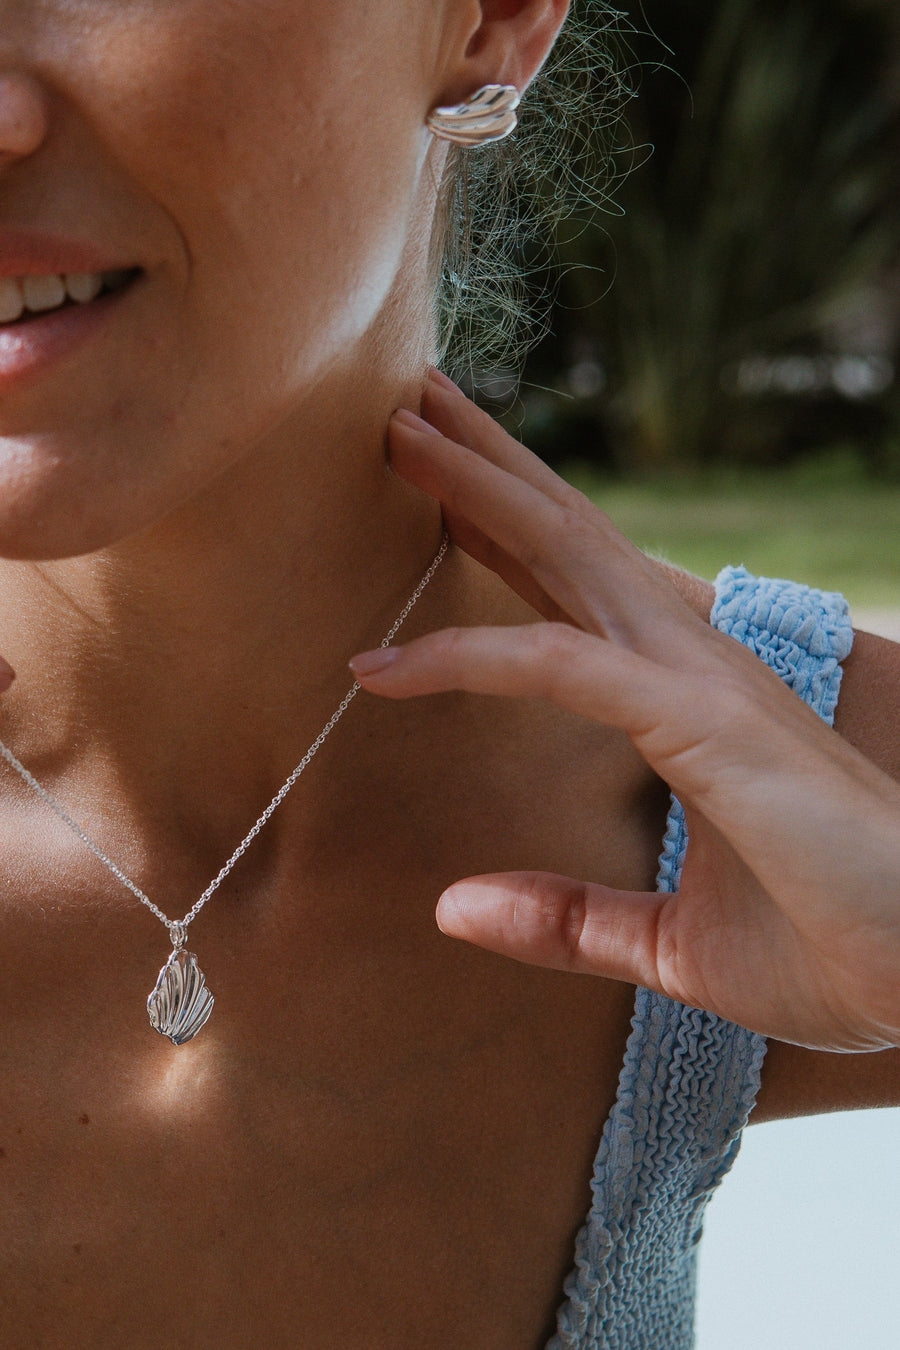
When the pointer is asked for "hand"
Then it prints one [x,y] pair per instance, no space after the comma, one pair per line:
[788,917]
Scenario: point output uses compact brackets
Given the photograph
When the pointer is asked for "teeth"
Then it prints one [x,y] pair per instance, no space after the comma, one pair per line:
[37,295]
[12,302]
[83,286]
[43,293]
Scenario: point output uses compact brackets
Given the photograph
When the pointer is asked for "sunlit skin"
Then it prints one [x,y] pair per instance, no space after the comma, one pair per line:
[224,447]
[204,513]
[787,920]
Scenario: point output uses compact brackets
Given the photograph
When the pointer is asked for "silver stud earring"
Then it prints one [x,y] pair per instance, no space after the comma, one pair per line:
[487,116]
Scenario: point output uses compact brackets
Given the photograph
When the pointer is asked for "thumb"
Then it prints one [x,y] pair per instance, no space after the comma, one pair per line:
[554,921]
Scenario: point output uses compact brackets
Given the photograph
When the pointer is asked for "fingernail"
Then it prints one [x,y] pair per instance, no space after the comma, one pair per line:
[409,419]
[448,910]
[369,663]
[443,380]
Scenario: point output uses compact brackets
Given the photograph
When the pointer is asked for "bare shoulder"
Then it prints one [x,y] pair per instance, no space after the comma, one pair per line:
[798,1082]
[867,712]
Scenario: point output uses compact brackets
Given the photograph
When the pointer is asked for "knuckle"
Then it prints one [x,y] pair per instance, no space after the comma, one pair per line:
[449,647]
[560,642]
[572,539]
[578,528]
[560,646]
[553,917]
[573,922]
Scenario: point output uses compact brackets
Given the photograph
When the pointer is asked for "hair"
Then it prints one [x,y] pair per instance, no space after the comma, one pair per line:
[502,204]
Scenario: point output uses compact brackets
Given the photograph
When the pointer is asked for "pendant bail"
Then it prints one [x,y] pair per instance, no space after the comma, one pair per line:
[178,933]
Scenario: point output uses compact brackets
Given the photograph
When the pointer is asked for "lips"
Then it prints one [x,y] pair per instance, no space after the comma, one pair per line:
[32,346]
[26,253]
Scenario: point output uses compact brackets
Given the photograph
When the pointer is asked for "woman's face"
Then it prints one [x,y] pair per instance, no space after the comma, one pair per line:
[265,163]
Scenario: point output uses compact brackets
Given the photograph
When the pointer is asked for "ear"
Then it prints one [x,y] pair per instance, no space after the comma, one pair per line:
[500,42]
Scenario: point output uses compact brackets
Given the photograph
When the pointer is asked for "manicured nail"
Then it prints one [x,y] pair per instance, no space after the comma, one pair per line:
[409,419]
[369,663]
[443,380]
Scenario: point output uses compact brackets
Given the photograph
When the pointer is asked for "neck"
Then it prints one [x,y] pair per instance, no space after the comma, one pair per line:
[183,671]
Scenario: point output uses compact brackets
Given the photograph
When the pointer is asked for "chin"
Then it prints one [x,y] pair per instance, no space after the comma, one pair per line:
[45,515]
[24,540]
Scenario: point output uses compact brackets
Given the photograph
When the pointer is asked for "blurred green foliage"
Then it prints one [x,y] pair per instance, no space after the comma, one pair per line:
[820,521]
[739,309]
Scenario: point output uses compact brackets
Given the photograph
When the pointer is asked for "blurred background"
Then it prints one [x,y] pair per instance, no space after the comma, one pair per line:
[800,1245]
[722,363]
[721,373]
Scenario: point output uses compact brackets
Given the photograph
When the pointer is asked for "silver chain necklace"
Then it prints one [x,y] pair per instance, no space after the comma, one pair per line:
[180,1004]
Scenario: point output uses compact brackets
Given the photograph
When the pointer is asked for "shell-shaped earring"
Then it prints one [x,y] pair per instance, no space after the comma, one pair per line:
[487,116]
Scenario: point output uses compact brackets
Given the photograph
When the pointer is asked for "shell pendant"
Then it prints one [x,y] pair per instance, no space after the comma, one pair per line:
[180,1004]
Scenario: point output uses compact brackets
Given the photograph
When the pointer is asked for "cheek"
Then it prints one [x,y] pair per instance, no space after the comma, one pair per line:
[287,173]
[273,192]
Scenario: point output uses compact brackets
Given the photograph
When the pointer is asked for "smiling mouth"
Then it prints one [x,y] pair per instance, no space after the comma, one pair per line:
[28,299]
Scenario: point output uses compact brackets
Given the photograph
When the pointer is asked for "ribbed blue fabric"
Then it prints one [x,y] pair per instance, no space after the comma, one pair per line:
[690,1079]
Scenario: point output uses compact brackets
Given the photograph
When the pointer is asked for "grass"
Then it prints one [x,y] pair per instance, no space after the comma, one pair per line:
[822,523]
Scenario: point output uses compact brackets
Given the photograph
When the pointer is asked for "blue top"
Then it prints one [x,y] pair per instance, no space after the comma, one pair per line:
[690,1078]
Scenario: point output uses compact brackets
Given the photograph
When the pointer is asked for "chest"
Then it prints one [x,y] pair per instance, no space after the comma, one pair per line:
[422,1190]
[382,1138]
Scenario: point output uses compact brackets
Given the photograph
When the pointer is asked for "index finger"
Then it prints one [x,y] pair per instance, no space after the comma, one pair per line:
[586,566]
[448,409]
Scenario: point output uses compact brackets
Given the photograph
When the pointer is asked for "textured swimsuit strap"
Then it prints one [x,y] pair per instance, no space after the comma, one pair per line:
[690,1079]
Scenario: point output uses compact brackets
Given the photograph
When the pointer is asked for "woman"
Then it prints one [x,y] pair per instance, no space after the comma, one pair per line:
[380,1137]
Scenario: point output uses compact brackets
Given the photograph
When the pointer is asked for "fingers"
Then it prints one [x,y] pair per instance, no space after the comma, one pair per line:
[576,671]
[681,723]
[517,516]
[527,527]
[482,548]
[479,546]
[459,419]
[556,922]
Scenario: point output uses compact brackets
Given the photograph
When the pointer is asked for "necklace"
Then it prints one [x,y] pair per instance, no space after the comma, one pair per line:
[180,1004]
